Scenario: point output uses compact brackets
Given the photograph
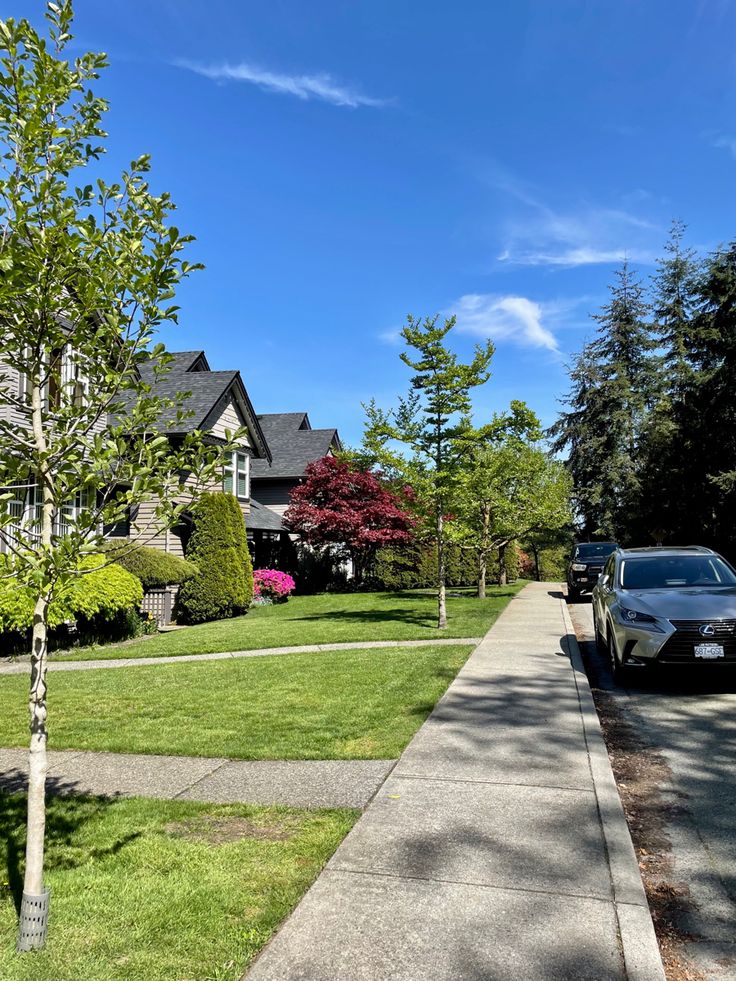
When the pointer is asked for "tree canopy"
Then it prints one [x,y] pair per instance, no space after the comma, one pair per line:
[650,423]
[343,504]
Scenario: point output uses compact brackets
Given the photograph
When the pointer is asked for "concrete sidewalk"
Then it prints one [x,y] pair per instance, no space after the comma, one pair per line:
[497,849]
[22,665]
[295,783]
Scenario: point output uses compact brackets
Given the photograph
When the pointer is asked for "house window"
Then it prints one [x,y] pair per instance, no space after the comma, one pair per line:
[70,512]
[26,512]
[236,476]
[66,382]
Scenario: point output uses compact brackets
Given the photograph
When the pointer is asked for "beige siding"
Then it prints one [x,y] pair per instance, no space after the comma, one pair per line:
[230,419]
[10,383]
[146,530]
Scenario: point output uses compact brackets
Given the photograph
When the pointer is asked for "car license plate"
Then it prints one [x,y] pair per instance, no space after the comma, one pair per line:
[709,651]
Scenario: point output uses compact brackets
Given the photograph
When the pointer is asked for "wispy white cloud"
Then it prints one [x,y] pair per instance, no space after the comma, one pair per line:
[392,337]
[580,234]
[581,256]
[724,142]
[321,86]
[504,318]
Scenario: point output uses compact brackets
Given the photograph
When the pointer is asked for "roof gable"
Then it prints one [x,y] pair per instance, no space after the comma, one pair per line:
[209,393]
[294,445]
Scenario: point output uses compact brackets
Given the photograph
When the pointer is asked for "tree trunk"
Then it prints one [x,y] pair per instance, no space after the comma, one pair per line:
[441,601]
[536,562]
[482,571]
[35,901]
[34,906]
[502,577]
[483,554]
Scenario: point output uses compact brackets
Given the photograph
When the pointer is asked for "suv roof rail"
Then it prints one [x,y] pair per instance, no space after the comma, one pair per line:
[698,549]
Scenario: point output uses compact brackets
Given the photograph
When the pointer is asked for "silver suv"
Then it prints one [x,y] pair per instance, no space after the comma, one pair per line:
[667,606]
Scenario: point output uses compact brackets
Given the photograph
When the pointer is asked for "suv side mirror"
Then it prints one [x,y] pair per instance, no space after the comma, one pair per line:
[603,579]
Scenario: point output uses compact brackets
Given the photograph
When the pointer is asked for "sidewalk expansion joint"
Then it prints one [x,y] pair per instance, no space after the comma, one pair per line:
[491,783]
[206,776]
[608,900]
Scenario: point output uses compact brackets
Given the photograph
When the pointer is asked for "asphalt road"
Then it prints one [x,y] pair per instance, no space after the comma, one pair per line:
[689,717]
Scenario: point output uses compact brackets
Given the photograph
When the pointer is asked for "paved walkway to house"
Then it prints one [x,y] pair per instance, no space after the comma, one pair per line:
[497,848]
[23,664]
[297,783]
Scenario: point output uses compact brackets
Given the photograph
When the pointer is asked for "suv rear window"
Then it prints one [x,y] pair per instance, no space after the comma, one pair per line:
[595,550]
[660,572]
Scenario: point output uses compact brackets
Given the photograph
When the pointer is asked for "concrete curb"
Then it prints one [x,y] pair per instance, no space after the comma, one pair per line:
[642,959]
[23,666]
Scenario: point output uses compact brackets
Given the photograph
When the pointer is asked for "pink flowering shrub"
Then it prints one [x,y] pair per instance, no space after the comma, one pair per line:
[272,584]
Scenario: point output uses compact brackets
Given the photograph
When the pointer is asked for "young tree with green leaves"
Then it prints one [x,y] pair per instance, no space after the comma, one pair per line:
[510,489]
[434,424]
[88,271]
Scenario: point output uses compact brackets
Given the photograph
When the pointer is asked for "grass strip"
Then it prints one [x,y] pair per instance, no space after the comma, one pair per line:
[147,890]
[324,619]
[363,704]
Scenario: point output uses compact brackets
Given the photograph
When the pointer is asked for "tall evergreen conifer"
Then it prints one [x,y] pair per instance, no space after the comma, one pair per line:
[614,384]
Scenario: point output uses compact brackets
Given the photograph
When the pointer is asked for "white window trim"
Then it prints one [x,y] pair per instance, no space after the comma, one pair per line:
[232,468]
[27,525]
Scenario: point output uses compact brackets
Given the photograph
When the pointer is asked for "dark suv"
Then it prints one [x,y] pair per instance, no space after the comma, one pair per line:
[586,564]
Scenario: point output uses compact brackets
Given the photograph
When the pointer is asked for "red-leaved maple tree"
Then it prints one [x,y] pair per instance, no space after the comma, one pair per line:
[341,504]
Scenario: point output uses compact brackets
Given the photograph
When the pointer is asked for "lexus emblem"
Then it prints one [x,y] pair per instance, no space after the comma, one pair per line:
[708,630]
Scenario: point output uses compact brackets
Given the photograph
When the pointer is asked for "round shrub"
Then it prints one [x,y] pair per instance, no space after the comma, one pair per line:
[223,586]
[155,568]
[99,605]
[272,584]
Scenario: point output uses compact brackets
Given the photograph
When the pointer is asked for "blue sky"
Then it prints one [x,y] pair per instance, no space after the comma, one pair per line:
[344,163]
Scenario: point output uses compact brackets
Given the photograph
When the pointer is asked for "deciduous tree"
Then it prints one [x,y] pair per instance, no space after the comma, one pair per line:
[88,271]
[510,489]
[343,504]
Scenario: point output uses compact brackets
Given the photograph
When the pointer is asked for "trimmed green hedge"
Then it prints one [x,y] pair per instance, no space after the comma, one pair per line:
[155,568]
[101,605]
[223,586]
[415,566]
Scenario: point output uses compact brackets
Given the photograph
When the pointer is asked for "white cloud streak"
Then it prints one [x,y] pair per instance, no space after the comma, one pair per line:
[504,318]
[726,143]
[583,234]
[320,86]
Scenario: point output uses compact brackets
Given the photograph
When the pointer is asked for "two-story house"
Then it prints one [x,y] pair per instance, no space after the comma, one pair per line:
[217,402]
[293,445]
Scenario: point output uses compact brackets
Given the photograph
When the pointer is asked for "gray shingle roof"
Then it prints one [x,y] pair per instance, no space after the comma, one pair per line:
[205,388]
[262,518]
[292,448]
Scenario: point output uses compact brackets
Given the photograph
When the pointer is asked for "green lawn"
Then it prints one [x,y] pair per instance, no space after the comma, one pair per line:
[146,890]
[324,619]
[362,704]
